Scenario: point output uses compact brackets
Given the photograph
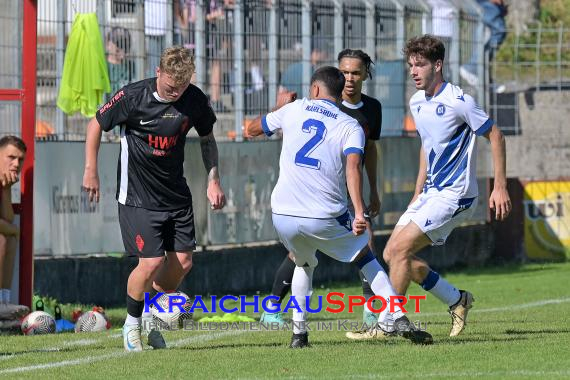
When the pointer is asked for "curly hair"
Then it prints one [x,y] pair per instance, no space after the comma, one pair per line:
[426,46]
[178,62]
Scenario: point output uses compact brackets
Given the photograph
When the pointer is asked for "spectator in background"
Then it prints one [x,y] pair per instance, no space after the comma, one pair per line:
[155,32]
[494,12]
[219,27]
[256,17]
[12,154]
[121,69]
[184,22]
[443,16]
[292,77]
[118,46]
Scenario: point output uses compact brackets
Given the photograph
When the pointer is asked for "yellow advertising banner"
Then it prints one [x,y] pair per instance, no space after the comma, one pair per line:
[547,220]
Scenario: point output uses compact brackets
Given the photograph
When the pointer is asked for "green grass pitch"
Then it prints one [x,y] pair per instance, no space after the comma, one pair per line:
[519,328]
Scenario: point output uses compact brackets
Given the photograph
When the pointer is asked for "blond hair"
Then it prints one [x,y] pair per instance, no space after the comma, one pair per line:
[177,62]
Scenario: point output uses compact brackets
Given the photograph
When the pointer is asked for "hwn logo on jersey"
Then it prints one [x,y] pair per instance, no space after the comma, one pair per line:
[162,142]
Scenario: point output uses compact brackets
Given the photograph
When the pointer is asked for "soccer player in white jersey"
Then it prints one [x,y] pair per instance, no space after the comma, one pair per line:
[448,122]
[320,157]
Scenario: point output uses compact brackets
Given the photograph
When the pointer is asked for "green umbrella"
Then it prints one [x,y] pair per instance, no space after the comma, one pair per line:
[85,78]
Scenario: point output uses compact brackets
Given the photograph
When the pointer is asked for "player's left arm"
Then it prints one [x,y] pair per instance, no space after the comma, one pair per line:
[499,199]
[371,165]
[210,157]
[482,125]
[354,185]
[353,149]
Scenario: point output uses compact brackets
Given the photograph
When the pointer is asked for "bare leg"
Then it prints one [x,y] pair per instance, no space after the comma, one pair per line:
[3,254]
[141,277]
[170,275]
[215,81]
[8,266]
[400,252]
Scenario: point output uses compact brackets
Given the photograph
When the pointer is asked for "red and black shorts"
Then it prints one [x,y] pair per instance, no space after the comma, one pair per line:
[149,233]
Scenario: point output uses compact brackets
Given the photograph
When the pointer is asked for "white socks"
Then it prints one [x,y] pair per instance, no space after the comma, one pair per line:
[301,287]
[381,286]
[132,320]
[439,287]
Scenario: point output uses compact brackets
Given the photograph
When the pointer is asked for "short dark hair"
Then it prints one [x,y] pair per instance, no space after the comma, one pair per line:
[332,78]
[426,46]
[359,54]
[13,140]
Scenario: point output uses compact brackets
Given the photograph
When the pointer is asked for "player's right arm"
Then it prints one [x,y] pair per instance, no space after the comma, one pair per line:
[258,126]
[422,176]
[114,112]
[90,174]
[6,209]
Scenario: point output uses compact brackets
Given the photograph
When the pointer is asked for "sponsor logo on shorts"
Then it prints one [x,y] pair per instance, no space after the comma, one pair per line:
[139,242]
[428,223]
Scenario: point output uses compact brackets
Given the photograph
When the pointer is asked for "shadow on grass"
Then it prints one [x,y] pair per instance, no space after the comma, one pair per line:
[539,331]
[497,269]
[479,339]
[345,342]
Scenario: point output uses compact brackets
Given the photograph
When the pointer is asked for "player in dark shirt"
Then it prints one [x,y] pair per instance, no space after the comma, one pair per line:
[355,65]
[155,204]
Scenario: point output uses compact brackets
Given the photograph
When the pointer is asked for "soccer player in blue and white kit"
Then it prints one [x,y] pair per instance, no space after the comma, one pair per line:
[320,157]
[448,122]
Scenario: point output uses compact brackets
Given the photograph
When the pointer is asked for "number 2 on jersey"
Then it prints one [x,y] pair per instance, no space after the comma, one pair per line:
[302,157]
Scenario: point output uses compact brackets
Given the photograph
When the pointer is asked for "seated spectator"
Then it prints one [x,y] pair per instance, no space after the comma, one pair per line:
[12,154]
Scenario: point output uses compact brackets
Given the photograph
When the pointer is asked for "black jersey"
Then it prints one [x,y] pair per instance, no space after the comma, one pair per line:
[368,113]
[150,173]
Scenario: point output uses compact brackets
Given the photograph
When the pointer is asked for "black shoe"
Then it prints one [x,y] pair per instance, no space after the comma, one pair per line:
[299,340]
[407,330]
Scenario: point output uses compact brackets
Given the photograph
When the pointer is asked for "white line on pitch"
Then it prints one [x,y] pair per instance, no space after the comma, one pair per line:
[506,308]
[91,359]
[438,375]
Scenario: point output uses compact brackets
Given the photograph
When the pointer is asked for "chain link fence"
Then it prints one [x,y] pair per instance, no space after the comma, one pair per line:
[245,50]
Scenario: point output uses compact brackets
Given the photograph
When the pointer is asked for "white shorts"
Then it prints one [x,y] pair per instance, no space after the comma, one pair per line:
[333,237]
[437,216]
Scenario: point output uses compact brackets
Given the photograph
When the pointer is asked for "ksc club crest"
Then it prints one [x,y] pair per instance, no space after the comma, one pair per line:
[440,110]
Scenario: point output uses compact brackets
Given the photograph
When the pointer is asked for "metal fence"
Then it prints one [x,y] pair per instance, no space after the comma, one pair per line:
[531,60]
[245,48]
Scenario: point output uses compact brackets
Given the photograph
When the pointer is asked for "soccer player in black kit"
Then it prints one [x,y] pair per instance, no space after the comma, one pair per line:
[355,65]
[155,204]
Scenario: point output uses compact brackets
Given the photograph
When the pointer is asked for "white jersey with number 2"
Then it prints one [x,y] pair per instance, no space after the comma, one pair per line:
[317,137]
